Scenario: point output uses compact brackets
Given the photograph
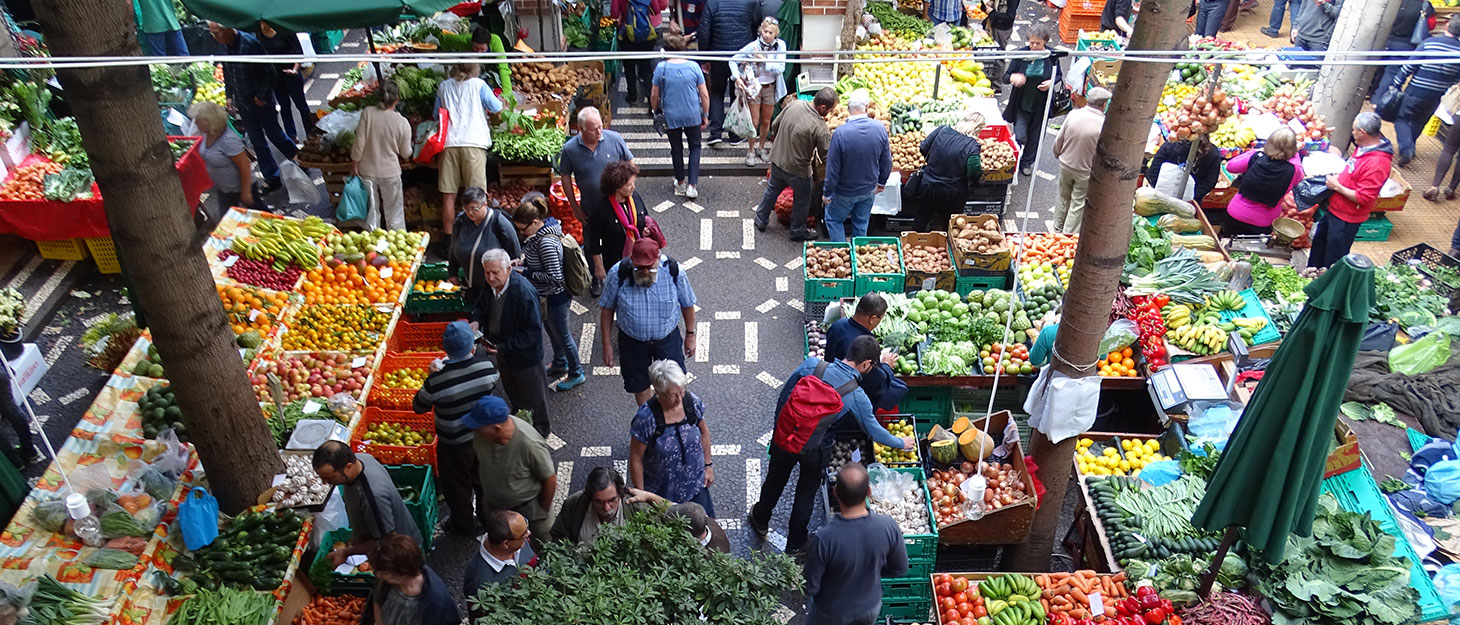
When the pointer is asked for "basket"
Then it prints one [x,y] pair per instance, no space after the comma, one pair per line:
[340,582]
[104,252]
[1375,228]
[397,398]
[445,302]
[395,454]
[423,510]
[63,249]
[883,282]
[824,289]
[1426,260]
[1003,135]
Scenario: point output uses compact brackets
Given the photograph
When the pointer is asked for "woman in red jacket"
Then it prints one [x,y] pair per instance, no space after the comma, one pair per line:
[1355,189]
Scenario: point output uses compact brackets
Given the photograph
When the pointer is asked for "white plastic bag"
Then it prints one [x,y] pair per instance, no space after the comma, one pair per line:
[301,187]
[889,201]
[737,119]
[1060,406]
[1171,178]
[331,518]
[337,122]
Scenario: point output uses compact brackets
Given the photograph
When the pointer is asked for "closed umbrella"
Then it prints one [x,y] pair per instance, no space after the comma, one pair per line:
[1268,477]
[790,22]
[307,16]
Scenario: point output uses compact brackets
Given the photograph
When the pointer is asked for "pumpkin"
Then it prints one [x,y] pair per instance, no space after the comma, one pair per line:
[961,425]
[944,451]
[937,433]
[975,445]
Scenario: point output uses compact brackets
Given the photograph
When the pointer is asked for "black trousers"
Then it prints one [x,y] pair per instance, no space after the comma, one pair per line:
[813,469]
[527,388]
[13,414]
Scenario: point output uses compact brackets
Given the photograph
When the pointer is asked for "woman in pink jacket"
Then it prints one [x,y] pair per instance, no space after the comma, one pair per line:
[1266,177]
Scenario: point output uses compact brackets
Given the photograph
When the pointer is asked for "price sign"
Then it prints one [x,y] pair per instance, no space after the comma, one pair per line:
[386,272]
[310,407]
[358,362]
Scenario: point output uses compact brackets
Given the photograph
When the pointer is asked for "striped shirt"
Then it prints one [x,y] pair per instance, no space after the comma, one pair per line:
[452,392]
[1436,77]
[542,259]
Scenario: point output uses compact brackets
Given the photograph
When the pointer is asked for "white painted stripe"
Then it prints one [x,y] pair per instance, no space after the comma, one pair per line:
[783,283]
[730,525]
[752,482]
[349,44]
[1025,214]
[554,442]
[599,451]
[795,263]
[605,370]
[1044,175]
[690,264]
[765,439]
[57,349]
[724,255]
[29,268]
[796,303]
[38,396]
[731,214]
[694,206]
[328,76]
[663,206]
[747,234]
[313,102]
[68,398]
[622,466]
[565,481]
[1048,225]
[782,614]
[768,265]
[91,321]
[768,380]
[725,369]
[577,308]
[585,343]
[775,537]
[49,287]
[689,377]
[702,341]
[51,330]
[752,341]
[723,315]
[707,234]
[765,306]
[725,450]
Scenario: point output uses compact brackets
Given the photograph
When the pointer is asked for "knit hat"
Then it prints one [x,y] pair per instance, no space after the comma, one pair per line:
[457,341]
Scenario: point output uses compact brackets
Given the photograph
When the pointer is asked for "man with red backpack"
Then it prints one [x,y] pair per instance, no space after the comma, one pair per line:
[812,402]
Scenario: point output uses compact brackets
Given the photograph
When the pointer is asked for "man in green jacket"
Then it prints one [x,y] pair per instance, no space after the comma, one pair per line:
[605,500]
[159,27]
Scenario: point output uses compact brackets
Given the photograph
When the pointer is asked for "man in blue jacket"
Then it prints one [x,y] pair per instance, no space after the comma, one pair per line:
[725,26]
[510,320]
[857,166]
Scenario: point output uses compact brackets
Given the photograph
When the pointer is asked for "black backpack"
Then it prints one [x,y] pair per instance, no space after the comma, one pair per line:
[691,419]
[1265,181]
[626,271]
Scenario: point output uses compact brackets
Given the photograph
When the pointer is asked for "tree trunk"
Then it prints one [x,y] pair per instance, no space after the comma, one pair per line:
[1104,237]
[150,223]
[1342,89]
[850,20]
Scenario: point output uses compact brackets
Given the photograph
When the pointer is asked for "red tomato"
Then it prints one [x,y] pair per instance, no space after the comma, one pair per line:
[968,620]
[943,590]
[950,617]
[1161,299]
[979,611]
[960,584]
[965,608]
[942,578]
[947,604]
[960,597]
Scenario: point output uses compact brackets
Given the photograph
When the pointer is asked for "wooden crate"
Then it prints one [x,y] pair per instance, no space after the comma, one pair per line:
[922,280]
[335,175]
[1006,526]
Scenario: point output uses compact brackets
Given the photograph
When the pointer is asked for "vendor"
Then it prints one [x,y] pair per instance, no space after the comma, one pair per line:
[878,381]
[1116,16]
[1355,190]
[372,503]
[954,164]
[1266,176]
[1208,166]
[1044,344]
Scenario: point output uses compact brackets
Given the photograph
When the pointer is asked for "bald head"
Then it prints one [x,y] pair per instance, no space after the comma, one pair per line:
[852,487]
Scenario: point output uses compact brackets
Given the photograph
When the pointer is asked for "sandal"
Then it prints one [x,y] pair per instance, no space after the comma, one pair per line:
[1433,194]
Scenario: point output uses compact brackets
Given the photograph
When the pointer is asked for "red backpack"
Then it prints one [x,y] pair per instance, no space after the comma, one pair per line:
[809,411]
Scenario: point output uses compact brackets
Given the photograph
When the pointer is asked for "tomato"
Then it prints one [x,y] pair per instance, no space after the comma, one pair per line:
[965,608]
[949,617]
[961,597]
[943,590]
[960,584]
[942,578]
[968,620]
[947,604]
[979,611]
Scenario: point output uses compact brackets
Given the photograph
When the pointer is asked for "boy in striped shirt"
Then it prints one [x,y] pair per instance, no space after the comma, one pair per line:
[1429,83]
[453,387]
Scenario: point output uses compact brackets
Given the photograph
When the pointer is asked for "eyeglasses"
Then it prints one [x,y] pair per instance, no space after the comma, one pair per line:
[476,208]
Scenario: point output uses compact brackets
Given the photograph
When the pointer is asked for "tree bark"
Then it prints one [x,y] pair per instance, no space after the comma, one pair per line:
[1342,89]
[116,110]
[850,20]
[1104,238]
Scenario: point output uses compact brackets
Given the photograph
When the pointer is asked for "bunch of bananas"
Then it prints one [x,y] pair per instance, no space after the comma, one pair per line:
[1178,316]
[1226,299]
[1201,339]
[1245,327]
[1012,599]
[284,241]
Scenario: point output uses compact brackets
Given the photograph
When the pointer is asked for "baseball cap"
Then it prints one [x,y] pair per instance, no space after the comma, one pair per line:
[457,341]
[489,410]
[645,252]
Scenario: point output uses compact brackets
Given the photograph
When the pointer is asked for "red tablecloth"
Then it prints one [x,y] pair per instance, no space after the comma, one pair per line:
[43,220]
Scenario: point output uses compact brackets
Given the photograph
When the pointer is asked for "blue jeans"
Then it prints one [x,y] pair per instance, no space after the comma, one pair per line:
[856,208]
[1390,72]
[1275,20]
[261,123]
[289,89]
[1209,14]
[565,351]
[677,138]
[168,43]
[1419,105]
[1331,241]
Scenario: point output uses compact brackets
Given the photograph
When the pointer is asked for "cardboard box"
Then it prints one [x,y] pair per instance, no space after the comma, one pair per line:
[922,280]
[970,263]
[1006,136]
[1008,525]
[1345,457]
[1397,202]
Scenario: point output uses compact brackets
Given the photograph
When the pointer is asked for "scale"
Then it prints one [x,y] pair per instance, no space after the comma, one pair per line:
[1277,245]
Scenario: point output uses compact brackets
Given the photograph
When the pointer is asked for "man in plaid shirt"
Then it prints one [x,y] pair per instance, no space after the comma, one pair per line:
[944,12]
[250,89]
[650,295]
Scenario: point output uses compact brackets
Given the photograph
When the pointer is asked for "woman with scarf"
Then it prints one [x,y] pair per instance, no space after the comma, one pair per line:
[1031,80]
[620,219]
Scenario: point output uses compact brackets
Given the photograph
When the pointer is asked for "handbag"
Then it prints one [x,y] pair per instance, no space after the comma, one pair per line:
[354,201]
[1389,103]
[435,143]
[913,188]
[1060,103]
[1421,30]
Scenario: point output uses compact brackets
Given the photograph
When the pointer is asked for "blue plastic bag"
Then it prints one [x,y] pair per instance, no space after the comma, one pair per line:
[354,201]
[198,517]
[1160,472]
[1442,481]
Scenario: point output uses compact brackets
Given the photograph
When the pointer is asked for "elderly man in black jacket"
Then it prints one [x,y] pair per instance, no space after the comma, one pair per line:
[508,315]
[725,26]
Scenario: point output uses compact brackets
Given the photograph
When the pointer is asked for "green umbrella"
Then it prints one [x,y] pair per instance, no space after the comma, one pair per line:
[305,16]
[790,22]
[1268,477]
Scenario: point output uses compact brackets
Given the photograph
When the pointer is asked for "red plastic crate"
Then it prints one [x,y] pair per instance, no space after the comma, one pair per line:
[396,454]
[412,337]
[397,398]
[1005,135]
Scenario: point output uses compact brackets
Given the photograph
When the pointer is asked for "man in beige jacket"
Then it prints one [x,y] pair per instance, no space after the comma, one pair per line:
[1075,147]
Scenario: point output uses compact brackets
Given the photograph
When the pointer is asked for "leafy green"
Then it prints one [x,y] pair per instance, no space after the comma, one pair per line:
[1270,280]
[1399,294]
[34,98]
[950,358]
[1201,464]
[61,141]
[1381,413]
[417,89]
[1181,276]
[1148,244]
[67,185]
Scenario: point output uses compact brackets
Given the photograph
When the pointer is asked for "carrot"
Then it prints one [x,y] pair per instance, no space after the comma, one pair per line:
[1080,595]
[1042,580]
[1044,603]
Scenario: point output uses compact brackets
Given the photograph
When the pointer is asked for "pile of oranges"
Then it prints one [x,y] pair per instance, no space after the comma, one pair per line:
[346,283]
[336,328]
[1119,364]
[241,302]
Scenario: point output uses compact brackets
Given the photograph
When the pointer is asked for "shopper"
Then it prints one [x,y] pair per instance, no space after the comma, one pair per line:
[467,99]
[382,143]
[1274,26]
[1442,166]
[1209,14]
[604,501]
[508,314]
[516,466]
[801,138]
[373,506]
[1428,81]
[669,440]
[619,219]
[288,82]
[24,453]
[702,526]
[505,554]
[858,163]
[1074,146]
[954,165]
[161,32]
[1205,172]
[877,382]
[250,91]
[757,71]
[948,12]
[649,293]
[638,22]
[725,26]
[1313,27]
[850,555]
[680,94]
[478,228]
[1355,189]
[407,592]
[843,376]
[1029,97]
[1411,27]
[450,390]
[225,158]
[542,265]
[1116,16]
[581,163]
[1265,177]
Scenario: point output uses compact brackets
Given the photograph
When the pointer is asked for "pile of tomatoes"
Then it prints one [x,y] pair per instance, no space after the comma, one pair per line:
[1147,315]
[957,601]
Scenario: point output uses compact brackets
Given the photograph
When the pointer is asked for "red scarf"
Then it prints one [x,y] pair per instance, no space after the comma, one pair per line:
[629,221]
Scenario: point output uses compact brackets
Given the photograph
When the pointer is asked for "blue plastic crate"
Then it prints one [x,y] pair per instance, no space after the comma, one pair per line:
[1269,332]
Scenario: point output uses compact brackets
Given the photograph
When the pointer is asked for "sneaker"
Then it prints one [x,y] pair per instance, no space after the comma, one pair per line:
[1403,160]
[1433,194]
[596,287]
[691,192]
[751,160]
[714,141]
[760,530]
[1271,32]
[679,188]
[556,370]
[569,383]
[764,154]
[737,142]
[801,237]
[1450,193]
[1026,170]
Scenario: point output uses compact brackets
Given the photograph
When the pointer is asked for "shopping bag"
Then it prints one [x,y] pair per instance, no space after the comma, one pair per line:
[1421,356]
[198,516]
[354,201]
[1389,103]
[435,143]
[738,120]
[300,185]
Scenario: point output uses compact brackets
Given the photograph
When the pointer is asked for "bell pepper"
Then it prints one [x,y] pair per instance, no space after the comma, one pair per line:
[1145,591]
[1150,602]
[1155,617]
[1128,607]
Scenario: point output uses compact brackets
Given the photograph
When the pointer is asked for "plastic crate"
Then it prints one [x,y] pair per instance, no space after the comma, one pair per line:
[963,285]
[104,252]
[930,404]
[1269,332]
[824,289]
[1357,492]
[921,548]
[396,454]
[340,582]
[411,337]
[1426,260]
[1084,7]
[882,282]
[1004,135]
[906,609]
[398,398]
[887,419]
[1375,228]
[1071,25]
[445,302]
[914,585]
[423,510]
[64,249]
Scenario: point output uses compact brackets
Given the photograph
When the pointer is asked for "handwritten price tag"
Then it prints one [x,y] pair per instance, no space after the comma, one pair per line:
[253,313]
[386,272]
[382,245]
[1097,605]
[229,261]
[358,362]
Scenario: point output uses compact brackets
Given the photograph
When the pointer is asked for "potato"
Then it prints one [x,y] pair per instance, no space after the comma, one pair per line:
[928,259]
[906,157]
[879,258]
[828,262]
[978,236]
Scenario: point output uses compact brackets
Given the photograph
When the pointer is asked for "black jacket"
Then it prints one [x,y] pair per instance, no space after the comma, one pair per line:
[470,239]
[1020,66]
[570,518]
[519,337]
[606,235]
[728,24]
[435,602]
[1205,171]
[947,152]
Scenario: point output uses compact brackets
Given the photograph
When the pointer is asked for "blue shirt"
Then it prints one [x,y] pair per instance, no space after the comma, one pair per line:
[648,313]
[679,93]
[1434,77]
[586,166]
[675,467]
[859,159]
[846,561]
[950,11]
[856,402]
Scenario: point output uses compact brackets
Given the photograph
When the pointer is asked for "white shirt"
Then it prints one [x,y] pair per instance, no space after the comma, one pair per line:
[467,125]
[495,563]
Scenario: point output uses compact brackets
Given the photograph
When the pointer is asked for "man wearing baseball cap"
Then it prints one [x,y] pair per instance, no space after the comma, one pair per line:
[451,390]
[515,465]
[650,295]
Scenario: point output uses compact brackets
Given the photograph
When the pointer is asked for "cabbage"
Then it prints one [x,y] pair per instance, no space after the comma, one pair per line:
[1233,572]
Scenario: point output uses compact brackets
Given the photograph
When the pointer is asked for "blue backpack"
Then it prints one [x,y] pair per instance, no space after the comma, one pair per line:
[637,27]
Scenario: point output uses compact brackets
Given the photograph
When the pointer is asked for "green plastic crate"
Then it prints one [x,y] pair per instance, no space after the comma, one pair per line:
[1269,332]
[880,282]
[930,404]
[911,586]
[906,609]
[1357,492]
[454,301]
[339,582]
[424,510]
[922,549]
[824,289]
[963,285]
[1376,228]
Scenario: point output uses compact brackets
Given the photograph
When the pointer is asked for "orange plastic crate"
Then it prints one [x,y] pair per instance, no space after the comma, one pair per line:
[396,454]
[397,398]
[1072,23]
[1084,7]
[412,337]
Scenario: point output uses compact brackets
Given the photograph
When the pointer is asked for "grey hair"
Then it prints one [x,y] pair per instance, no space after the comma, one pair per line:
[666,374]
[1097,96]
[496,255]
[971,124]
[472,195]
[1369,122]
[589,112]
[858,102]
[209,117]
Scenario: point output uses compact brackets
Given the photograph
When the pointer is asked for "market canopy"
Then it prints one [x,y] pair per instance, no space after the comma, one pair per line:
[307,16]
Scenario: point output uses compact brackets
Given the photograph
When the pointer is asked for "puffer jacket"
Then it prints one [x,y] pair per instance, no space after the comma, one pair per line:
[727,25]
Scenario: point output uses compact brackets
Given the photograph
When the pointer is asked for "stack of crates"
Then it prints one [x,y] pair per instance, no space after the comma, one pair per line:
[930,405]
[423,510]
[1079,15]
[910,597]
